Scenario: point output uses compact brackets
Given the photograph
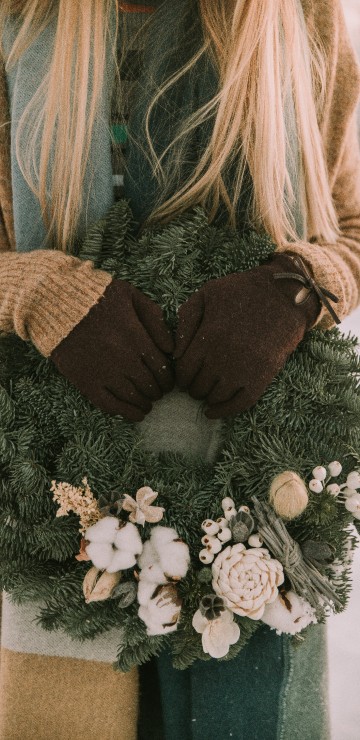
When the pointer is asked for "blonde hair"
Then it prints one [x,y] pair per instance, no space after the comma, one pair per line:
[261,49]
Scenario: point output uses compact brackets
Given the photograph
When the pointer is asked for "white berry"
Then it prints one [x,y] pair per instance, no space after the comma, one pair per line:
[353,479]
[333,489]
[255,540]
[315,485]
[230,513]
[224,535]
[222,522]
[206,556]
[210,527]
[335,468]
[244,508]
[214,546]
[353,504]
[319,472]
[349,492]
[227,503]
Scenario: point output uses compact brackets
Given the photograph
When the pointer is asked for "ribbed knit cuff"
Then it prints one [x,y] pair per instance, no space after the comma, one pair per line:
[320,261]
[44,294]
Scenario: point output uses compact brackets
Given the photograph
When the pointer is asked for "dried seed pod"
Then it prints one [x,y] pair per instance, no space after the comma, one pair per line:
[288,495]
[211,606]
[126,593]
[98,585]
[320,554]
[241,525]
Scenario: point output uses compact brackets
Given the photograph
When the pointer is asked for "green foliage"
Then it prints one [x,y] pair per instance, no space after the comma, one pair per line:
[308,416]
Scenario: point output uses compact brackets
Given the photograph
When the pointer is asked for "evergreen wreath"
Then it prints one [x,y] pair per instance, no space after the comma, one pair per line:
[261,535]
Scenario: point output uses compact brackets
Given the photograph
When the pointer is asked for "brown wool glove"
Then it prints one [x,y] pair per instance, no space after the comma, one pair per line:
[117,355]
[236,332]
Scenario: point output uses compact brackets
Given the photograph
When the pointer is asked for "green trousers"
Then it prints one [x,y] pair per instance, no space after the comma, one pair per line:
[271,691]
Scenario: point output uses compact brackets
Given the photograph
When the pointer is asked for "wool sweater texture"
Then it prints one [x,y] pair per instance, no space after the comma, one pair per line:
[47,278]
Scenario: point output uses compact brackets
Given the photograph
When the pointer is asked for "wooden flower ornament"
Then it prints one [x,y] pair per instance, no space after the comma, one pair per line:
[141,509]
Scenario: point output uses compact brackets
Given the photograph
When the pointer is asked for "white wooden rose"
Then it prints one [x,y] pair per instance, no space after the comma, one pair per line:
[247,580]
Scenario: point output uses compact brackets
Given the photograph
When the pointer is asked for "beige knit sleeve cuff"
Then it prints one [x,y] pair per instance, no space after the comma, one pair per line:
[322,263]
[45,293]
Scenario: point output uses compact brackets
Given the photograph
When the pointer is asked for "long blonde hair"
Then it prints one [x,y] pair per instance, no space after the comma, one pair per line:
[248,114]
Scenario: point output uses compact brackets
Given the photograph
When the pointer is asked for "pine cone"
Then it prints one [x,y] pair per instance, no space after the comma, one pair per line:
[241,525]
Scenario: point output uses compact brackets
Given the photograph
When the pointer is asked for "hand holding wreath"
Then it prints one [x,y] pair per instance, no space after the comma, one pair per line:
[235,334]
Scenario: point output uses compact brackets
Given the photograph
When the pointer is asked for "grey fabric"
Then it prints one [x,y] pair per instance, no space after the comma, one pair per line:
[22,634]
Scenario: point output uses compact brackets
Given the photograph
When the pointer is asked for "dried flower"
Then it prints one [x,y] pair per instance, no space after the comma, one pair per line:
[161,610]
[78,499]
[216,634]
[320,554]
[247,580]
[241,526]
[141,509]
[211,606]
[82,555]
[288,614]
[113,544]
[98,585]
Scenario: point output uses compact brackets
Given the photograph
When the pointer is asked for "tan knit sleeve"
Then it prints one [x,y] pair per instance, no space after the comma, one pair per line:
[336,266]
[45,293]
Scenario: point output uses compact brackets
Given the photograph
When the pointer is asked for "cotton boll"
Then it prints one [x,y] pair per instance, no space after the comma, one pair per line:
[104,530]
[145,591]
[278,616]
[162,536]
[174,559]
[121,561]
[153,573]
[100,553]
[148,555]
[128,538]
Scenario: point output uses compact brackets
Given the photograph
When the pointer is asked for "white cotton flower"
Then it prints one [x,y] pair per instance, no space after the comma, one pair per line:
[161,611]
[121,561]
[291,618]
[104,530]
[128,538]
[145,591]
[100,553]
[216,634]
[162,536]
[171,554]
[113,547]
